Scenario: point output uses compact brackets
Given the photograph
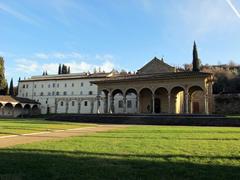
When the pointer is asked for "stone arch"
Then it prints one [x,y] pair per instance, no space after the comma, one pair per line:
[36,110]
[196,99]
[61,106]
[118,104]
[85,106]
[161,100]
[145,100]
[27,109]
[131,95]
[8,109]
[18,110]
[73,106]
[177,99]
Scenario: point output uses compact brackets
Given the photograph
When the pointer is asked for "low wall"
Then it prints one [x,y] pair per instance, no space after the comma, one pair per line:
[183,120]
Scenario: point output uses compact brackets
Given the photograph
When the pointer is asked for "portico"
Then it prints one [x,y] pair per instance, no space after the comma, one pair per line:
[165,92]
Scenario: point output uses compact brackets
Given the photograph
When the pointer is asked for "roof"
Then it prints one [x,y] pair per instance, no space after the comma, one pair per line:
[159,76]
[66,76]
[13,99]
[156,66]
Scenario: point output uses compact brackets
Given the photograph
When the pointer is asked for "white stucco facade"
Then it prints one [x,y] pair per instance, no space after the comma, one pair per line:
[69,93]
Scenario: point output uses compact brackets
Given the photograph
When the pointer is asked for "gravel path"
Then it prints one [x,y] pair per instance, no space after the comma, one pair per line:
[7,141]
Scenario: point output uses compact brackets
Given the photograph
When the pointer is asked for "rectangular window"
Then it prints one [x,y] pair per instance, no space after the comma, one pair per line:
[41,94]
[26,94]
[85,103]
[72,84]
[57,85]
[35,86]
[49,93]
[57,93]
[82,84]
[49,86]
[65,85]
[90,93]
[53,85]
[27,86]
[120,104]
[53,93]
[65,93]
[73,103]
[129,104]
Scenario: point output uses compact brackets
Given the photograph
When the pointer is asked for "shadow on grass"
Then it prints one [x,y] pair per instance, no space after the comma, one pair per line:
[41,164]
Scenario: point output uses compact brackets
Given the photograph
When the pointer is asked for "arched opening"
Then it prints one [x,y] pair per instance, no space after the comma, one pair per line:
[196,100]
[61,107]
[118,104]
[8,109]
[18,110]
[73,107]
[177,100]
[161,100]
[85,107]
[145,97]
[36,110]
[27,110]
[131,101]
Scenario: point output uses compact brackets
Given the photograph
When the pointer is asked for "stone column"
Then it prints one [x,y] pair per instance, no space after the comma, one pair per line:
[138,103]
[206,104]
[92,105]
[124,104]
[153,104]
[79,106]
[186,95]
[169,103]
[56,105]
[67,106]
[111,103]
[98,104]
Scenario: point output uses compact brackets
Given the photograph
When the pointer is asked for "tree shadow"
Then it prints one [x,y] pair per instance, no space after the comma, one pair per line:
[53,164]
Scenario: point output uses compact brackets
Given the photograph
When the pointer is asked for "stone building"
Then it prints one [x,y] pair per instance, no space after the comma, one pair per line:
[16,107]
[155,88]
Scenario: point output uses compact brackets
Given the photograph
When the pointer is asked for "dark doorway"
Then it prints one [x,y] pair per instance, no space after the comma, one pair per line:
[157,105]
[196,108]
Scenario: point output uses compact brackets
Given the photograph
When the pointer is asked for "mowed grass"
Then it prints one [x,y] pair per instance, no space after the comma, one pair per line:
[137,152]
[23,126]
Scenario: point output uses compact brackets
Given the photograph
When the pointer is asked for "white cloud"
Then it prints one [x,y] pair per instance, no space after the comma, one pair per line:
[58,55]
[17,14]
[42,55]
[26,65]
[233,8]
[206,16]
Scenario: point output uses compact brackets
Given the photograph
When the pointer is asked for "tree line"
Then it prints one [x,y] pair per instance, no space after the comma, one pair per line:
[4,90]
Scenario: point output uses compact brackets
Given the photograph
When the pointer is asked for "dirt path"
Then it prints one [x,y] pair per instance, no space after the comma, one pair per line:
[8,141]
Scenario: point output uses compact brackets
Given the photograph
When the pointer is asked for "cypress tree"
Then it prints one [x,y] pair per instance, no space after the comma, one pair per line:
[11,91]
[3,81]
[60,69]
[196,61]
[68,71]
[64,69]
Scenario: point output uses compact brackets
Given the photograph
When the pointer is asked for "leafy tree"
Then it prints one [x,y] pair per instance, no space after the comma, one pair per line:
[11,90]
[196,60]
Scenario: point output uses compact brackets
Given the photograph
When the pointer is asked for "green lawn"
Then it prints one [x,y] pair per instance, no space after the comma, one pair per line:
[22,126]
[137,152]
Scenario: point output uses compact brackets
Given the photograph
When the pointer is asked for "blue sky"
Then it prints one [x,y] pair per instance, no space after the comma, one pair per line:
[121,34]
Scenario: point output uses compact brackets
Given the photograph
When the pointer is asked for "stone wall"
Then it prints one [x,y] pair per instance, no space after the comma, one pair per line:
[227,104]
